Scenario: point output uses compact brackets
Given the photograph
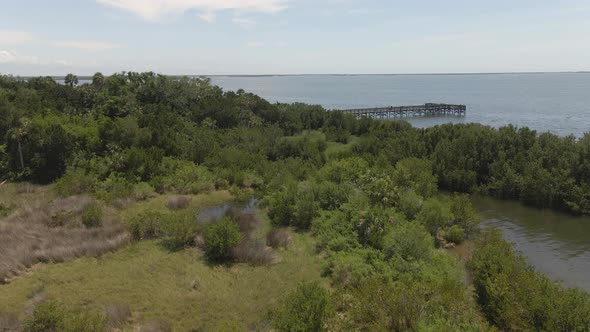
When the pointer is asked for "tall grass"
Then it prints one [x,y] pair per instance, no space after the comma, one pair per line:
[53,233]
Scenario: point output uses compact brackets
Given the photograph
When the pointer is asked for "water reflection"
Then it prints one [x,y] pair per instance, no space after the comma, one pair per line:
[215,213]
[556,244]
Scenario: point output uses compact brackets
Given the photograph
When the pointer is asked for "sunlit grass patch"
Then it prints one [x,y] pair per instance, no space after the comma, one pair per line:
[175,286]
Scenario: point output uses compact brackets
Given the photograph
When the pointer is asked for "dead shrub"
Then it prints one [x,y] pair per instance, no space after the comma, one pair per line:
[118,314]
[253,252]
[245,220]
[157,326]
[278,238]
[178,202]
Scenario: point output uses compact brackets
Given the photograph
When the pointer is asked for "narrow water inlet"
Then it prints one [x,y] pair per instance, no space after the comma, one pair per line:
[556,244]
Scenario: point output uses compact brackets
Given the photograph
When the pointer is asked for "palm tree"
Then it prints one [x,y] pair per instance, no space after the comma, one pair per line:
[71,80]
[18,134]
[98,80]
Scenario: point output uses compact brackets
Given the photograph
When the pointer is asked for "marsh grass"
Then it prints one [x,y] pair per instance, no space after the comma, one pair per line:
[158,283]
[178,202]
[278,238]
[117,314]
[53,233]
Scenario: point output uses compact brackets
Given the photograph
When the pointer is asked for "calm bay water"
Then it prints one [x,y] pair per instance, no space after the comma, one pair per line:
[555,102]
[556,244]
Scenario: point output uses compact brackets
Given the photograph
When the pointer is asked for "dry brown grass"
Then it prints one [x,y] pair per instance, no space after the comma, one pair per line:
[246,220]
[53,233]
[178,202]
[157,326]
[278,238]
[9,323]
[253,252]
[118,314]
[26,188]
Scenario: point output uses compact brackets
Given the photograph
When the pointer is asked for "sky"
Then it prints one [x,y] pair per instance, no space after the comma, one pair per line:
[254,37]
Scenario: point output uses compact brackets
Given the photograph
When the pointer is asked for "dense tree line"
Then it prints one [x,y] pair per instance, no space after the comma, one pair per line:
[46,126]
[373,206]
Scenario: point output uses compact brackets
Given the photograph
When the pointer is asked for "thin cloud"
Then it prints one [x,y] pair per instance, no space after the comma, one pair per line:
[86,45]
[8,37]
[153,10]
[246,23]
[8,56]
[255,44]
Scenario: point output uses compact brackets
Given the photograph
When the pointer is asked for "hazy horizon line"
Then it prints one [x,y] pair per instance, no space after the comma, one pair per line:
[328,74]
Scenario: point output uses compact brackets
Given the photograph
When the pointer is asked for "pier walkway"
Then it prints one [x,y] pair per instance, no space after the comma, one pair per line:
[395,112]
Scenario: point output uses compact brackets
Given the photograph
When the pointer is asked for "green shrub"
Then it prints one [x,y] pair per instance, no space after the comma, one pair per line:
[113,187]
[47,317]
[143,191]
[514,296]
[76,181]
[352,268]
[434,215]
[409,204]
[183,177]
[306,207]
[281,205]
[331,195]
[334,232]
[464,213]
[51,316]
[86,321]
[307,309]
[179,230]
[220,237]
[409,240]
[146,225]
[92,215]
[455,234]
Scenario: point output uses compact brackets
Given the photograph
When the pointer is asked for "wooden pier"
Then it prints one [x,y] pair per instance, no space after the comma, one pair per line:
[396,112]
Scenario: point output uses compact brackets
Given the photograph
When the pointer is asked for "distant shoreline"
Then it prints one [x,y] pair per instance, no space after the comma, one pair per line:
[89,77]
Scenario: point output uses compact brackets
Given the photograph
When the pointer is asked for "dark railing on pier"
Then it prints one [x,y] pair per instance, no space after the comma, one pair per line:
[394,112]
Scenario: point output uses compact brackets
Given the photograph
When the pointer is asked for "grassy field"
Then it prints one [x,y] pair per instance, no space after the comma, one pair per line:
[178,287]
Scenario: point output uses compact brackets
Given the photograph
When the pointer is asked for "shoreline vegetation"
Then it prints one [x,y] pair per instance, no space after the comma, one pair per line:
[117,214]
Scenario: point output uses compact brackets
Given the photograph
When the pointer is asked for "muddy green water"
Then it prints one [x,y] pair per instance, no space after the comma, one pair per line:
[556,244]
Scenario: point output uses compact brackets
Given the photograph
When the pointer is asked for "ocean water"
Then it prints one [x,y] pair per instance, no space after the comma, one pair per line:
[554,102]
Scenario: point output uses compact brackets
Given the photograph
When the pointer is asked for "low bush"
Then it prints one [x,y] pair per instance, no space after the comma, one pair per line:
[52,316]
[409,240]
[143,191]
[278,238]
[409,204]
[179,230]
[515,297]
[306,309]
[146,225]
[92,215]
[115,186]
[455,234]
[435,215]
[76,181]
[220,237]
[46,316]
